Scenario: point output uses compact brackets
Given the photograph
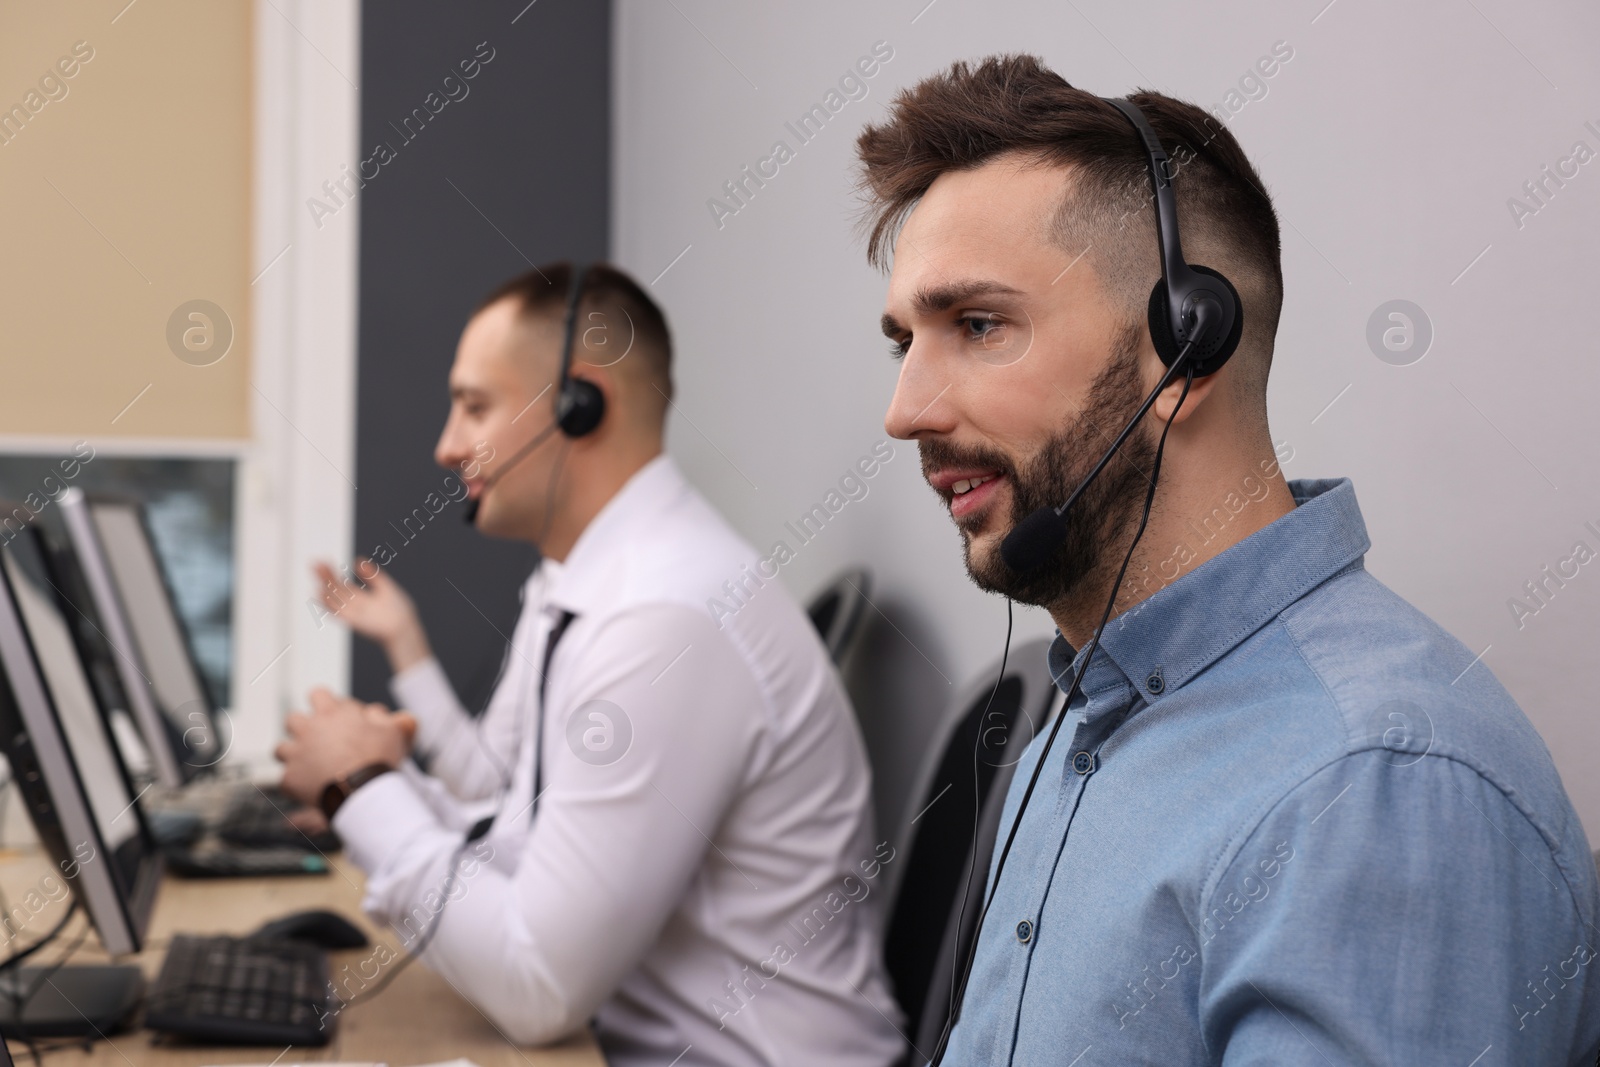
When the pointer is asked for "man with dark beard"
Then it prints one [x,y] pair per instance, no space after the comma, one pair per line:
[1287,819]
[1109,502]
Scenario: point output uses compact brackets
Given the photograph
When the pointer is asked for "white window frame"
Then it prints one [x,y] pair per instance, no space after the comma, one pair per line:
[296,493]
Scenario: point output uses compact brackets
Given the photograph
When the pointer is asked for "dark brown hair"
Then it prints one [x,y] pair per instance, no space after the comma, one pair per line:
[970,115]
[633,321]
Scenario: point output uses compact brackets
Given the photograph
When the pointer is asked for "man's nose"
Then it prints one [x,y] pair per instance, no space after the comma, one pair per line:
[921,401]
[448,453]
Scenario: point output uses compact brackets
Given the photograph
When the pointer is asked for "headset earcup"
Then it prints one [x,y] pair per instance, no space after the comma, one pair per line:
[1161,324]
[581,407]
[1213,363]
[1166,344]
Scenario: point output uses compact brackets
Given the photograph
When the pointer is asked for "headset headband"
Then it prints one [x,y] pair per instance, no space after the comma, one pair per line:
[1171,309]
[579,404]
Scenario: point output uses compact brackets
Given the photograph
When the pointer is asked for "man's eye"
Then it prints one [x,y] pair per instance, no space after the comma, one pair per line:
[982,328]
[898,349]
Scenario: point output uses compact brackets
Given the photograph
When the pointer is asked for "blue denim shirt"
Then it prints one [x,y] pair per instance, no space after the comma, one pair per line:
[1291,821]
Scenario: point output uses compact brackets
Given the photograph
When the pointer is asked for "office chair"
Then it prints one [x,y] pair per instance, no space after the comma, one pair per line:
[940,841]
[836,612]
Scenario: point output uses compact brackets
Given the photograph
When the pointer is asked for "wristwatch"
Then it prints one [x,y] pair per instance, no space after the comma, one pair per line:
[337,791]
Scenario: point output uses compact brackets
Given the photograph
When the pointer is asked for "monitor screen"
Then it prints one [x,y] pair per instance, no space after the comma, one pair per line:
[57,736]
[83,576]
[158,635]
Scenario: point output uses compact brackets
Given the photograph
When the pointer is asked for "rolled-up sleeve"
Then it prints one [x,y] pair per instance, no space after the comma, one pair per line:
[1364,921]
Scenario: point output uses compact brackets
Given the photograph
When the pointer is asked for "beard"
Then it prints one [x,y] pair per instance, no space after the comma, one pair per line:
[1108,507]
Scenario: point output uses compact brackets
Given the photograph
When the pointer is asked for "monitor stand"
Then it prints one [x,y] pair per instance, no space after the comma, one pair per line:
[90,1000]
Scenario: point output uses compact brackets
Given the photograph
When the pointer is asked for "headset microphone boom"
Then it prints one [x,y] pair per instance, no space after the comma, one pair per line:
[1193,312]
[580,405]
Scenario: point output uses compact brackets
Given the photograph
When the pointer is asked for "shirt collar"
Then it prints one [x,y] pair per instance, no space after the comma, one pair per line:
[579,582]
[1180,630]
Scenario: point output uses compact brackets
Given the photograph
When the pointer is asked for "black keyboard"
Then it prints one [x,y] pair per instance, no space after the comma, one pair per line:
[229,862]
[258,818]
[246,991]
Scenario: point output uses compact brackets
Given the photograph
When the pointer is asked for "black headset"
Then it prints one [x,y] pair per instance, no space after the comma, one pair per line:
[1195,321]
[580,405]
[1176,298]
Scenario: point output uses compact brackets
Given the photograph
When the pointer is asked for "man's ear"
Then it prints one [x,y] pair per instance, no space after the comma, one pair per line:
[1198,391]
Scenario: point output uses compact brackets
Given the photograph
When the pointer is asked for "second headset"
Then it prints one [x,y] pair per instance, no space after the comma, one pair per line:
[580,406]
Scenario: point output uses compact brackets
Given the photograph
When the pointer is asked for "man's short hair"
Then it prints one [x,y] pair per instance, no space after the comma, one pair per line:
[970,115]
[631,322]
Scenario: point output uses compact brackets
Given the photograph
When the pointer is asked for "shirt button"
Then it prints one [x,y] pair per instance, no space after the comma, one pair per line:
[1024,931]
[1155,684]
[1083,762]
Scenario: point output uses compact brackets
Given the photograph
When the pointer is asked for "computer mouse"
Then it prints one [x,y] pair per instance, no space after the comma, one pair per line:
[171,827]
[325,929]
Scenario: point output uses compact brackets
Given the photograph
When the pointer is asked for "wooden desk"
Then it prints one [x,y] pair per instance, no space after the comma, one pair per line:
[418,1019]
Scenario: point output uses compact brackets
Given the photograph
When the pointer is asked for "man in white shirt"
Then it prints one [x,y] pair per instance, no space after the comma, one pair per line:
[682,846]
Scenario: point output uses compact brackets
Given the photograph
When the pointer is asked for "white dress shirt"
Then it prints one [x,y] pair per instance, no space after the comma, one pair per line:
[700,876]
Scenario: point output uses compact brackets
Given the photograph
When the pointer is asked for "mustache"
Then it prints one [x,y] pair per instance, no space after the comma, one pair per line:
[938,455]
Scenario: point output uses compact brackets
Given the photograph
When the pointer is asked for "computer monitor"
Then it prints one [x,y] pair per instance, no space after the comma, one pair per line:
[164,688]
[57,737]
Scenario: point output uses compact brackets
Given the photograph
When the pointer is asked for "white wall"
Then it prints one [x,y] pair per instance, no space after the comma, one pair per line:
[1391,141]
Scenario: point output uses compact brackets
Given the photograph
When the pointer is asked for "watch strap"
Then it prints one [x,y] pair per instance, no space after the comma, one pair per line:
[336,792]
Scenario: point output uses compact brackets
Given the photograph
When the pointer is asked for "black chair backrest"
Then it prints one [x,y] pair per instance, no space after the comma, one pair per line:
[837,610]
[962,924]
[982,736]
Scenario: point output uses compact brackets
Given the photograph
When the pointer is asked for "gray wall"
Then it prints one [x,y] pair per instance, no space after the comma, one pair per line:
[513,171]
[1392,142]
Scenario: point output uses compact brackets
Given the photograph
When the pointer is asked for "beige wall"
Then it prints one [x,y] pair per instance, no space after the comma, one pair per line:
[122,200]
